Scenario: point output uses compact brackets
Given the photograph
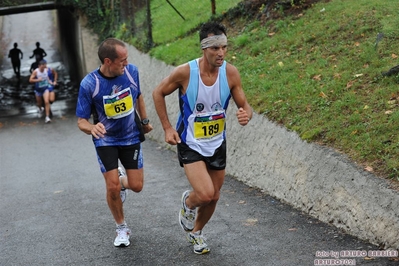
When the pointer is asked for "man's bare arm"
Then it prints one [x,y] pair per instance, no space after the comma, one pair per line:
[178,79]
[244,113]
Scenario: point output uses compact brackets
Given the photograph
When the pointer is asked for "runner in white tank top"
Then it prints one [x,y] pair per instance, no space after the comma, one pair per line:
[205,87]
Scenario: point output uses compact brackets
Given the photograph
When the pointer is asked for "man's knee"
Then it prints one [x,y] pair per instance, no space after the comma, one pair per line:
[136,187]
[206,197]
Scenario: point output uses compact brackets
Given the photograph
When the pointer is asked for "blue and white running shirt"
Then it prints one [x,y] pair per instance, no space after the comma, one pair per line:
[202,120]
[114,100]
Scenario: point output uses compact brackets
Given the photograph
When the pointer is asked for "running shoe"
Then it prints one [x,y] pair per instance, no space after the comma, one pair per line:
[198,240]
[47,120]
[186,215]
[40,111]
[122,237]
[123,191]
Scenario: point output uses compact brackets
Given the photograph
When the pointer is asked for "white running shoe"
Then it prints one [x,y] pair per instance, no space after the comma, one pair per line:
[123,192]
[186,215]
[40,111]
[122,237]
[47,120]
[198,240]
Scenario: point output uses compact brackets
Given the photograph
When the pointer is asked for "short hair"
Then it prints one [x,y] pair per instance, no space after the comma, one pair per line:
[107,49]
[42,62]
[211,27]
[15,45]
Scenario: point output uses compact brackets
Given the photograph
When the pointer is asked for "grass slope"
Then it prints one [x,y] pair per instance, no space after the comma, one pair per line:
[315,71]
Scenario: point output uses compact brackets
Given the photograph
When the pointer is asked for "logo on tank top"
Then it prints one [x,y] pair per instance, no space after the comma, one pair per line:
[216,107]
[200,107]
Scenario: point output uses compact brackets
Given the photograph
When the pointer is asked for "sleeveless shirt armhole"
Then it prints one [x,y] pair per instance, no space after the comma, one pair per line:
[192,86]
[224,84]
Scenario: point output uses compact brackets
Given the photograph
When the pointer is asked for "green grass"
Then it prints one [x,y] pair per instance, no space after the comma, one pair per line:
[318,74]
[167,23]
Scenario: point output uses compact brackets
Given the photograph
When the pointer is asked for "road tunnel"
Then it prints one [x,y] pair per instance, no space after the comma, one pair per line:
[57,30]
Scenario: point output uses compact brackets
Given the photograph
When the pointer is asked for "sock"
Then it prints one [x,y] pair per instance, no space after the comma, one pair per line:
[122,186]
[122,225]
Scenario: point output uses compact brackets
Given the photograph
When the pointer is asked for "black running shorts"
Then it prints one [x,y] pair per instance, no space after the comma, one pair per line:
[216,162]
[130,156]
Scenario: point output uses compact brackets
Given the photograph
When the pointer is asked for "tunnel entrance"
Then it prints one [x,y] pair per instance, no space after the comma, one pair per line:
[57,31]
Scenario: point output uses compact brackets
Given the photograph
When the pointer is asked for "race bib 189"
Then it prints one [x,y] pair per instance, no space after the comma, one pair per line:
[209,125]
[119,104]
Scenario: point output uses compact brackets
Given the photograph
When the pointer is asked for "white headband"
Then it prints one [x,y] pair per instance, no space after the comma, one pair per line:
[214,40]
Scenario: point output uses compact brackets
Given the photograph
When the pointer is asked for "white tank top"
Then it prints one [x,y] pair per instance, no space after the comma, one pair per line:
[45,79]
[206,124]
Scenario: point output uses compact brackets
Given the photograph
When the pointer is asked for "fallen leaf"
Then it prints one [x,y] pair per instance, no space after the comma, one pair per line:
[317,77]
[251,222]
[358,75]
[241,202]
[388,112]
[323,95]
[368,169]
[394,56]
[292,229]
[349,84]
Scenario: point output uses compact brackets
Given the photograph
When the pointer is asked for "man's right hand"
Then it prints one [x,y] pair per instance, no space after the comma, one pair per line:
[98,130]
[171,136]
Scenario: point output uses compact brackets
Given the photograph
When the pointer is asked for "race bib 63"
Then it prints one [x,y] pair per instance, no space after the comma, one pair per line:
[119,104]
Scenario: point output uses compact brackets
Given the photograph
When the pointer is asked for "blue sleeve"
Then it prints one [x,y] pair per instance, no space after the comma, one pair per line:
[85,101]
[134,72]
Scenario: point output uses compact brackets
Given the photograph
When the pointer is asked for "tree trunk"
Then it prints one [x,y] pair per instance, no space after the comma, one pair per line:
[213,3]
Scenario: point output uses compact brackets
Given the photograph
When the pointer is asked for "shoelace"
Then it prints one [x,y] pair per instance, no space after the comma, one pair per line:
[199,239]
[190,214]
[122,232]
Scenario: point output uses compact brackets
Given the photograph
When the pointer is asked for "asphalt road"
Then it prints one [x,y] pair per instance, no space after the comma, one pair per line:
[54,212]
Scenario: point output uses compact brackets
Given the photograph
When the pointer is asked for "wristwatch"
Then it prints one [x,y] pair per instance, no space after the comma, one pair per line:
[145,121]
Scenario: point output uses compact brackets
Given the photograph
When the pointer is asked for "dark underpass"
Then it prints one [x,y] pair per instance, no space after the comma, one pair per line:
[57,31]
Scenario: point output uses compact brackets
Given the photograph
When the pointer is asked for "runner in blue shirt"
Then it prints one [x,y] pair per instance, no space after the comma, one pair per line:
[112,95]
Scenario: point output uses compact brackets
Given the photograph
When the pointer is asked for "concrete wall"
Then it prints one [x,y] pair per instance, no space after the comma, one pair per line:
[1,30]
[311,178]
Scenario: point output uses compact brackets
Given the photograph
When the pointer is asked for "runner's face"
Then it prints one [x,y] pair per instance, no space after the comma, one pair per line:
[215,54]
[42,67]
[117,67]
